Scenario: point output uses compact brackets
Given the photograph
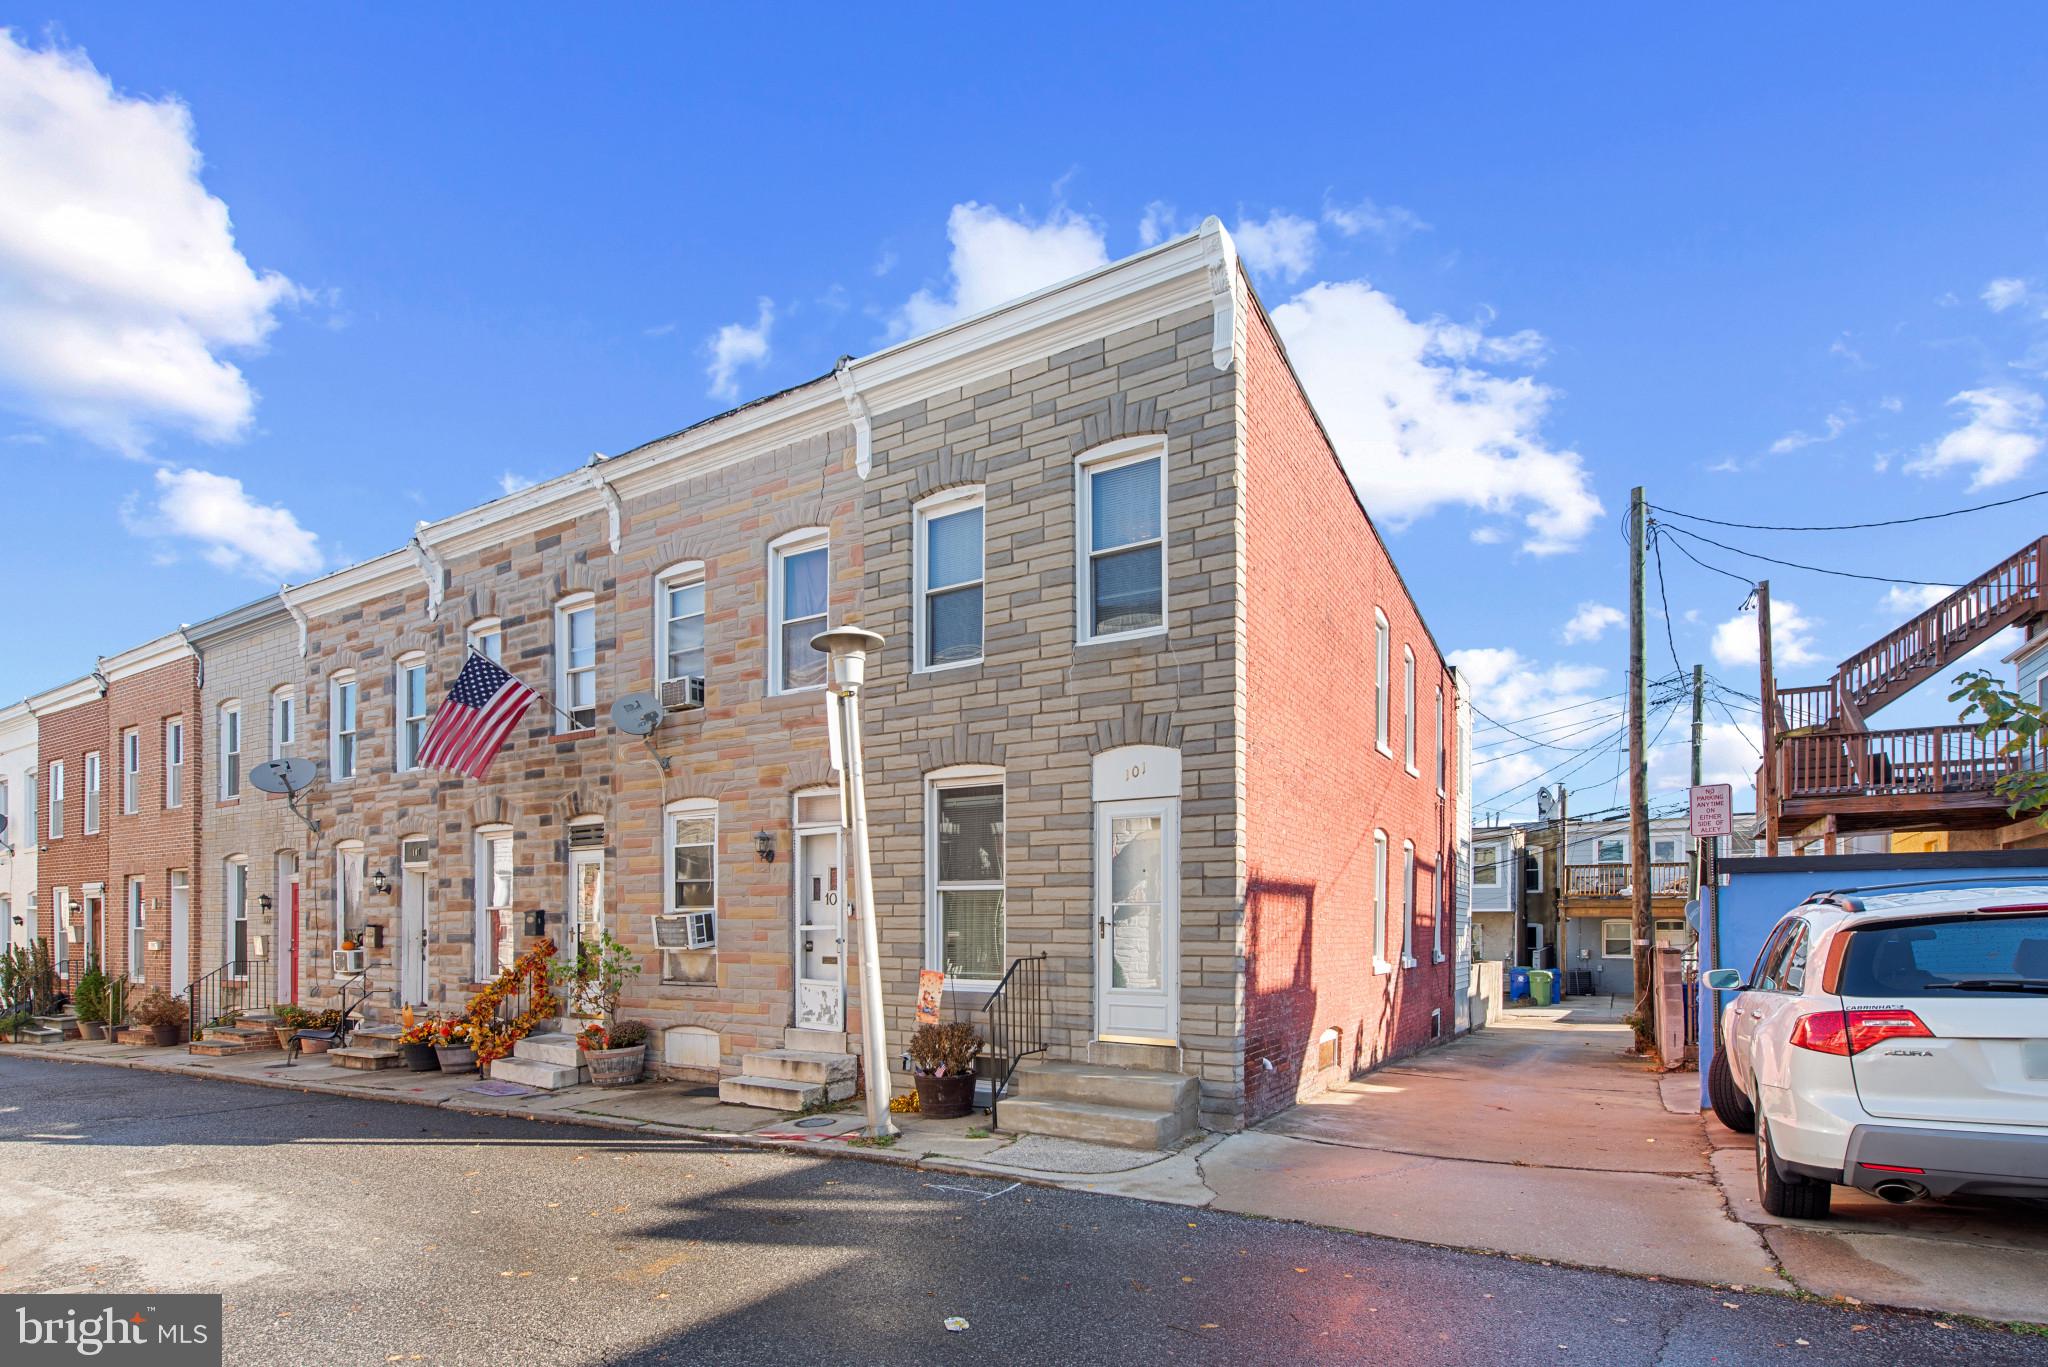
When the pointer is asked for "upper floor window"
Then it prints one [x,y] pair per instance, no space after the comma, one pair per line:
[949,579]
[92,792]
[1123,539]
[1382,667]
[679,621]
[1486,866]
[341,725]
[487,638]
[576,663]
[799,585]
[174,762]
[230,750]
[28,808]
[412,709]
[56,799]
[1612,850]
[1442,747]
[284,722]
[7,823]
[131,773]
[1408,709]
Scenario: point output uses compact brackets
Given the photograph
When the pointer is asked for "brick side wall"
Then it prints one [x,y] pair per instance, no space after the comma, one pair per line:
[75,859]
[1316,784]
[155,839]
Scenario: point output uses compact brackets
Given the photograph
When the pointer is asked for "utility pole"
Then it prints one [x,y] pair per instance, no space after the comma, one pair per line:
[1638,783]
[1557,889]
[1699,705]
[1767,786]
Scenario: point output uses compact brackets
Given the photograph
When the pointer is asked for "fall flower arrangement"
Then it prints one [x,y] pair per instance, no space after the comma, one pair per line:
[493,1039]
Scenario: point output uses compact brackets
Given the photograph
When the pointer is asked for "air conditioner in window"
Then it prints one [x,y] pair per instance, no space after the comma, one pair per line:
[703,929]
[348,961]
[682,694]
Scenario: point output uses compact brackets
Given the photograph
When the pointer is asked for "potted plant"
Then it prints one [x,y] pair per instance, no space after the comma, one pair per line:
[162,1014]
[319,1020]
[287,1020]
[452,1049]
[89,1002]
[13,1023]
[942,1058]
[593,984]
[416,1042]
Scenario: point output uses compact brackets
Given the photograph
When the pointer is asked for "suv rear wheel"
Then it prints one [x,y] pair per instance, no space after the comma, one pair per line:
[1731,1107]
[1786,1194]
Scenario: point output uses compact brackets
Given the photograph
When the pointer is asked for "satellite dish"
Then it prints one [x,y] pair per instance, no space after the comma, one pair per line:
[1546,805]
[287,776]
[637,714]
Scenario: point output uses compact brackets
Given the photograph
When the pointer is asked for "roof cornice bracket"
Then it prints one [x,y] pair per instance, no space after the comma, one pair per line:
[432,569]
[1219,257]
[857,410]
[614,509]
[298,615]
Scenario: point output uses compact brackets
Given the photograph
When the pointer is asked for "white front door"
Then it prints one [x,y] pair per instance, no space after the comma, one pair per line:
[412,937]
[181,933]
[1137,920]
[820,932]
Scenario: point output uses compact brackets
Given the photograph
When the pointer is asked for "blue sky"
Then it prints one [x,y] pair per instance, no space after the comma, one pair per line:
[1777,267]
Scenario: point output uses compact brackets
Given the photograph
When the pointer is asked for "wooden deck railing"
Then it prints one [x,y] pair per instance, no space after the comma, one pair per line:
[1612,880]
[1925,760]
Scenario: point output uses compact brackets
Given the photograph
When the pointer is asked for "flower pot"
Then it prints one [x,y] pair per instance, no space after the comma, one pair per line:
[459,1058]
[284,1035]
[945,1098]
[163,1036]
[92,1030]
[615,1067]
[315,1046]
[420,1058]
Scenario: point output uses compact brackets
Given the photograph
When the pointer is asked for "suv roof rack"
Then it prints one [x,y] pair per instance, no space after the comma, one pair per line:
[1851,899]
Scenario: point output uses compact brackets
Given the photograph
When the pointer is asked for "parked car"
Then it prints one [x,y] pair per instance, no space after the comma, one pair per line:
[1894,1041]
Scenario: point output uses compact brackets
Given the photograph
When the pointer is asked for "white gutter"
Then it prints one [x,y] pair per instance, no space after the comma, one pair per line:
[298,615]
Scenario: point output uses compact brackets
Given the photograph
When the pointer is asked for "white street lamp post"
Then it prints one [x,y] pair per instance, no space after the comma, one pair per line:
[849,648]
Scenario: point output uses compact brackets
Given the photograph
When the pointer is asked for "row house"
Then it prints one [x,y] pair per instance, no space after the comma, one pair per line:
[1156,717]
[19,898]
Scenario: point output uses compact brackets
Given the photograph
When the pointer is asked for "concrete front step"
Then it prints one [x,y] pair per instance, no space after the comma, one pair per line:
[239,1034]
[560,1050]
[781,1093]
[378,1030]
[366,1060]
[1142,1089]
[1123,1126]
[38,1034]
[800,1065]
[227,1048]
[531,1072]
[815,1041]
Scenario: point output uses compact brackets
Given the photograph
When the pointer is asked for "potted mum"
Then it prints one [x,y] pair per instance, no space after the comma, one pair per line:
[287,1020]
[162,1015]
[452,1048]
[416,1042]
[942,1057]
[329,1019]
[89,1002]
[616,1054]
[593,984]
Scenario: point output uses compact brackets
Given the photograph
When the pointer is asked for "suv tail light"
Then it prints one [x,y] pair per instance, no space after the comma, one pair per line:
[1851,1032]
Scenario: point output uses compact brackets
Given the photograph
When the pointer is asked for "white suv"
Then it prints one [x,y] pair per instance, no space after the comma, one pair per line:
[1896,1040]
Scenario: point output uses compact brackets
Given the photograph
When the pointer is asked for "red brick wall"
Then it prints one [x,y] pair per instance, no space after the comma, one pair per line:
[75,858]
[155,840]
[1316,784]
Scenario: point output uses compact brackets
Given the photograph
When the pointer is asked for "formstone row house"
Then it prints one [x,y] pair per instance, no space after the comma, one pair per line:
[1154,703]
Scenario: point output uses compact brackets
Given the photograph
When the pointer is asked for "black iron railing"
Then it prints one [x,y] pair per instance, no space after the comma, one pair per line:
[1016,1025]
[240,985]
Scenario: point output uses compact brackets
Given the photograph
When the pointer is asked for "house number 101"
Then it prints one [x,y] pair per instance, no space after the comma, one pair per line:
[1134,772]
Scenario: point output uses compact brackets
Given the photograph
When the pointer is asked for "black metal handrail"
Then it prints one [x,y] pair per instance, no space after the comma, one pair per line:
[247,983]
[1016,1025]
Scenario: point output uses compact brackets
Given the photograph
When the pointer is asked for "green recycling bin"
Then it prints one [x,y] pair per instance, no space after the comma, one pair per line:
[1540,982]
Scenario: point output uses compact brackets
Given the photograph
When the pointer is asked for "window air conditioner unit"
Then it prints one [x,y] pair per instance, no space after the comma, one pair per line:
[688,930]
[348,961]
[682,694]
[703,929]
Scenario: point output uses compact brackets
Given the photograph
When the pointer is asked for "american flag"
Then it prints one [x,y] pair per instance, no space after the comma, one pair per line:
[474,719]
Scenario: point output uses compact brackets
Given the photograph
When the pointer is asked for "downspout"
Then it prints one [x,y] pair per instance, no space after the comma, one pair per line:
[431,568]
[857,412]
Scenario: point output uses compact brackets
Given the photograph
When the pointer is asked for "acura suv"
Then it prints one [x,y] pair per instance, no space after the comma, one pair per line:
[1894,1040]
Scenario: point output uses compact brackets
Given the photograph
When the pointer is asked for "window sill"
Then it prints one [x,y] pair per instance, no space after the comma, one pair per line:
[1380,966]
[1384,749]
[955,667]
[1413,772]
[1436,958]
[581,733]
[1406,962]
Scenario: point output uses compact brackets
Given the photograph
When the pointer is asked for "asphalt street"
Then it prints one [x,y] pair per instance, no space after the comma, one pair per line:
[342,1231]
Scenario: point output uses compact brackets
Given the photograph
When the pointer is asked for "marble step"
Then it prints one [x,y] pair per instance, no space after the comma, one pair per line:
[366,1060]
[780,1093]
[560,1050]
[227,1048]
[800,1065]
[530,1072]
[1124,1126]
[815,1041]
[1144,1089]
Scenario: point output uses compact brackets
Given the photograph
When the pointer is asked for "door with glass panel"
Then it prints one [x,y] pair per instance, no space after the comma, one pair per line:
[820,915]
[414,857]
[1137,921]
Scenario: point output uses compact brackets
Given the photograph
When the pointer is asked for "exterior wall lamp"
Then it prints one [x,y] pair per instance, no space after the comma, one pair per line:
[764,846]
[263,901]
[380,883]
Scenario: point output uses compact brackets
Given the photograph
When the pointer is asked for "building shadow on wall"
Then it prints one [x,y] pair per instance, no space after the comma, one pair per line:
[1280,992]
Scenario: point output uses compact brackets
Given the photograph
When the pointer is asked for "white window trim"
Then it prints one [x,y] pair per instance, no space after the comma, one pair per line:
[1532,863]
[230,912]
[960,776]
[342,851]
[1382,687]
[1110,455]
[54,808]
[1437,901]
[1408,711]
[95,771]
[928,510]
[131,771]
[481,917]
[1495,851]
[230,769]
[1442,747]
[1381,875]
[174,762]
[335,684]
[284,721]
[405,756]
[1407,904]
[133,912]
[482,627]
[575,602]
[690,809]
[1627,938]
[788,544]
[678,575]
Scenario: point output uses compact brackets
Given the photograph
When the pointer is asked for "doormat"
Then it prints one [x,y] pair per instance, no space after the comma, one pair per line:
[503,1089]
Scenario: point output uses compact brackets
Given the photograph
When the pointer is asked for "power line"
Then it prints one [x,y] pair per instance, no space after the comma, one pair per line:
[1568,707]
[1592,752]
[1812,569]
[1855,526]
[1657,548]
[1679,546]
[1737,724]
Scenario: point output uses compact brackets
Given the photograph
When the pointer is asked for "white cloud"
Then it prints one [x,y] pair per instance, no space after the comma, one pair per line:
[1545,703]
[1997,444]
[884,263]
[1735,640]
[1729,753]
[511,482]
[1160,222]
[1843,351]
[1488,536]
[1836,422]
[233,531]
[997,258]
[1891,403]
[1419,423]
[1904,600]
[736,345]
[1591,622]
[2004,293]
[120,273]
[1388,222]
[1284,244]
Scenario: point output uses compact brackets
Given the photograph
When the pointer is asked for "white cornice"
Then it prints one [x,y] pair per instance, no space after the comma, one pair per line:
[65,696]
[432,569]
[386,574]
[16,716]
[1219,258]
[614,507]
[857,414]
[149,655]
[298,615]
